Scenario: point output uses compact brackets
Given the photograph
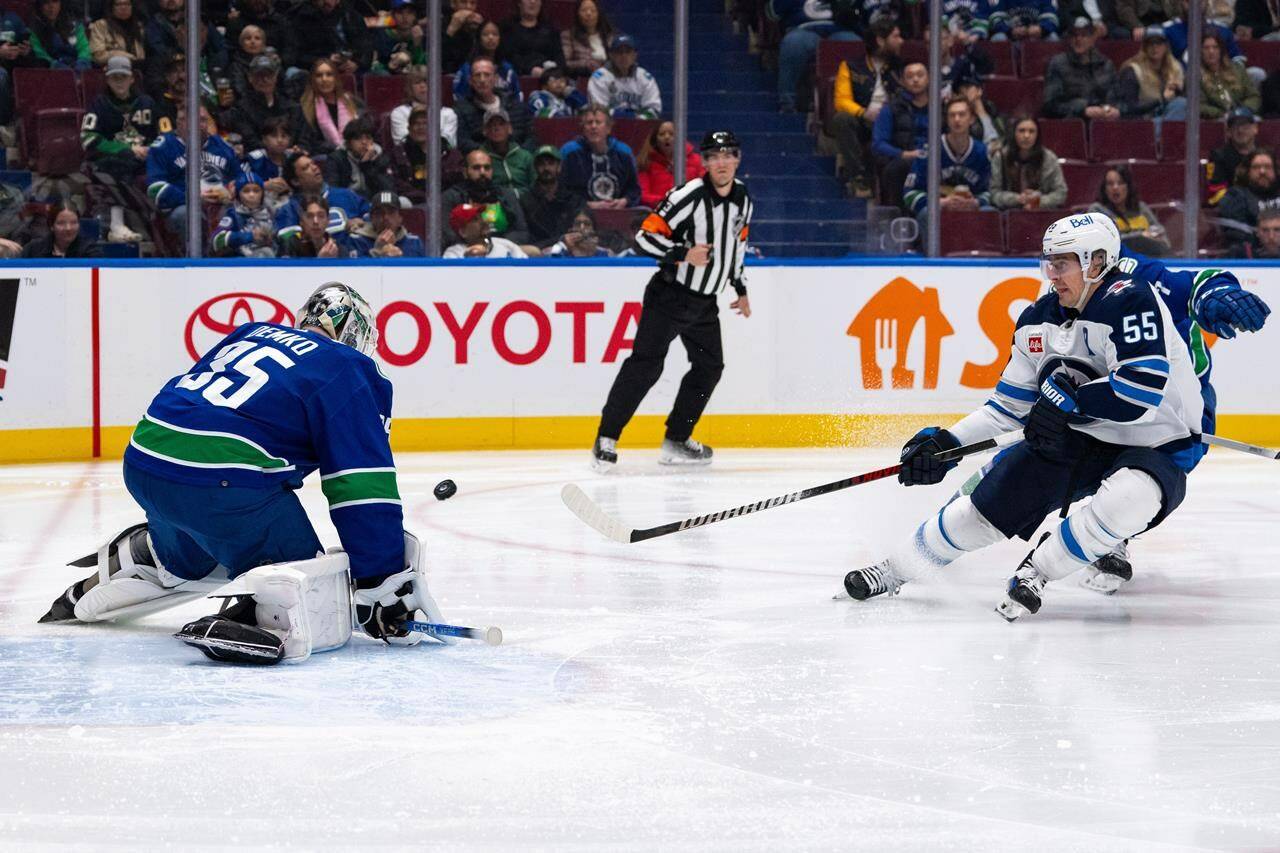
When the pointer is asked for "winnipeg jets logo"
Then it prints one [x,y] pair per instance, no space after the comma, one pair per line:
[1119,286]
[1035,343]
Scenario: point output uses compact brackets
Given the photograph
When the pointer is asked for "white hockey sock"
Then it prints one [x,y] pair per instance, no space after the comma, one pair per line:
[1123,507]
[955,530]
[117,217]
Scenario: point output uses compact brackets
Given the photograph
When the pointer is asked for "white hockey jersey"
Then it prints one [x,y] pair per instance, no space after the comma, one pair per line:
[1138,387]
[633,96]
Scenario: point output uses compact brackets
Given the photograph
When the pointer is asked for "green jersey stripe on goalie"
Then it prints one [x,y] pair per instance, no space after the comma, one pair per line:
[344,488]
[198,449]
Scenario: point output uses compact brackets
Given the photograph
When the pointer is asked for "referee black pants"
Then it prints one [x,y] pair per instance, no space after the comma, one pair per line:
[669,311]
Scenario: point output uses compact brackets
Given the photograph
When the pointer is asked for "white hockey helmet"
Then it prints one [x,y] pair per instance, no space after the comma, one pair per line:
[1082,235]
[341,313]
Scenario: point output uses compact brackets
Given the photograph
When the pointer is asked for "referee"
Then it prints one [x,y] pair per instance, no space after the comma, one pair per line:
[699,236]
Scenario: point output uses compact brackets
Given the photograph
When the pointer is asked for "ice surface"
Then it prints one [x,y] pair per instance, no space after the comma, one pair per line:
[699,691]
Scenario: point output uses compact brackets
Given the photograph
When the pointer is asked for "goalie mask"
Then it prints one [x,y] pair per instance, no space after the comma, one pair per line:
[341,313]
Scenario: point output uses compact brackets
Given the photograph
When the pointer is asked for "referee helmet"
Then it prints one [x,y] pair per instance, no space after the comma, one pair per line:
[720,140]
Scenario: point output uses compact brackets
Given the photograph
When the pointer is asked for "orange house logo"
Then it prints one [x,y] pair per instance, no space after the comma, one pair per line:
[884,328]
[885,325]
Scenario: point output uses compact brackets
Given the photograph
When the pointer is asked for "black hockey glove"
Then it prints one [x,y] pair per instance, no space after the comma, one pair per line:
[920,463]
[1048,432]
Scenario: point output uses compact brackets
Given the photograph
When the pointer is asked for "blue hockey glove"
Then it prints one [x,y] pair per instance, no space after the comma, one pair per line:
[1227,310]
[920,465]
[1047,431]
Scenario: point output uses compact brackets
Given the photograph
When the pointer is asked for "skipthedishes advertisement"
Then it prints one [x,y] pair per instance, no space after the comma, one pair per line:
[504,345]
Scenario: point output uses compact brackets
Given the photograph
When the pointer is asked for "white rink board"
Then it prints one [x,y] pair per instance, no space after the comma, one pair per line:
[50,367]
[545,341]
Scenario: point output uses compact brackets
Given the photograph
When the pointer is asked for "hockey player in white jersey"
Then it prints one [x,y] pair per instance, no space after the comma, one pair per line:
[1106,394]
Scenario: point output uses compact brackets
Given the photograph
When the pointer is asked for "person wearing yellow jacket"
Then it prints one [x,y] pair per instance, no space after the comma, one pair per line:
[863,87]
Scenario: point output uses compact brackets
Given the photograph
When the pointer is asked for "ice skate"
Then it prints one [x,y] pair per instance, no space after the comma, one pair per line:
[1023,593]
[604,455]
[1109,573]
[63,608]
[687,452]
[123,234]
[861,584]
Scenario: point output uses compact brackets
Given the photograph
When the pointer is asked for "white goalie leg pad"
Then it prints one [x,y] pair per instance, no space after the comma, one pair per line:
[307,602]
[1124,505]
[135,589]
[953,531]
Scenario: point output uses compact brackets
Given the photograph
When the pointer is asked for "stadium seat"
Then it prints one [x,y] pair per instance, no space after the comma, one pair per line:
[59,152]
[1122,140]
[1083,180]
[558,131]
[915,51]
[623,224]
[528,85]
[1036,56]
[1263,54]
[92,84]
[415,221]
[1002,58]
[383,93]
[446,90]
[1064,137]
[832,53]
[1158,183]
[555,131]
[1119,51]
[971,232]
[349,84]
[1173,139]
[39,89]
[1025,229]
[1013,95]
[1268,133]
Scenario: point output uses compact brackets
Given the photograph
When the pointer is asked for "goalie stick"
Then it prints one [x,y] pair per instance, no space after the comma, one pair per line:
[492,636]
[593,516]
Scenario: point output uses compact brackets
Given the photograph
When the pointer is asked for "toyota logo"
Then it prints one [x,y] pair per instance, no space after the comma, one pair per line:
[223,314]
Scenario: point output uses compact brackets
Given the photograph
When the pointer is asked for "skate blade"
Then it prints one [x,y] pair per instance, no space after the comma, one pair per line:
[1010,610]
[603,467]
[685,463]
[53,617]
[843,595]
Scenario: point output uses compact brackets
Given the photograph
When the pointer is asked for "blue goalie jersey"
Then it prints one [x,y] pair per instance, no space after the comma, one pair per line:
[267,406]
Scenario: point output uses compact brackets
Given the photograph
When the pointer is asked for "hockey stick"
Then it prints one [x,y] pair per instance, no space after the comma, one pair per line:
[1218,441]
[491,636]
[593,516]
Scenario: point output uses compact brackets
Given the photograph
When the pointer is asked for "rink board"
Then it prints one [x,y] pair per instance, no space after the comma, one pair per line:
[495,356]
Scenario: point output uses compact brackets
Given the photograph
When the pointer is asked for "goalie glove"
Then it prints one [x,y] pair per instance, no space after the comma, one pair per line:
[383,602]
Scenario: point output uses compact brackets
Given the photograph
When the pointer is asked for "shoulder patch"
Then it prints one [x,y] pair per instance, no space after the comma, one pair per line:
[1127,265]
[1118,287]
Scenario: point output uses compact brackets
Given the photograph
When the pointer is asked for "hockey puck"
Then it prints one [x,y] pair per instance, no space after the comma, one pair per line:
[445,489]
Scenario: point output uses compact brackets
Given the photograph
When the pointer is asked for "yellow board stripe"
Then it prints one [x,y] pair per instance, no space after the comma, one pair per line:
[426,434]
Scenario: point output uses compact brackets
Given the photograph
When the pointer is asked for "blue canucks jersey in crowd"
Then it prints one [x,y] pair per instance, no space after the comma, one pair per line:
[970,167]
[343,205]
[264,408]
[167,168]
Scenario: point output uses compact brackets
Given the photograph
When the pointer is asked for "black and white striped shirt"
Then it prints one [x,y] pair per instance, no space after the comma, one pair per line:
[692,214]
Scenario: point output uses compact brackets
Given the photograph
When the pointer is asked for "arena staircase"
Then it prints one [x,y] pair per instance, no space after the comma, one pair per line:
[801,206]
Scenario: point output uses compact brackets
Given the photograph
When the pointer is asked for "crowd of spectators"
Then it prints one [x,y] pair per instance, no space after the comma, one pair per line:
[992,157]
[290,145]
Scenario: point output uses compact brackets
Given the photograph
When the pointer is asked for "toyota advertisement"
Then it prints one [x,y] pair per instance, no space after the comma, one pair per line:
[528,361]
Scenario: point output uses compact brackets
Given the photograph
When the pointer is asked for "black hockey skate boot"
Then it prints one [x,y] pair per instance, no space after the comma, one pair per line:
[604,455]
[1109,572]
[134,538]
[687,452]
[1023,593]
[861,584]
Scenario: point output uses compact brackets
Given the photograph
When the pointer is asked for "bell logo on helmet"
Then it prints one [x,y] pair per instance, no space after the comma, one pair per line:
[1081,221]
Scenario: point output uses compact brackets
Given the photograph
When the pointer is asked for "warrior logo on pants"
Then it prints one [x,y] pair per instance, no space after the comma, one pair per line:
[8,310]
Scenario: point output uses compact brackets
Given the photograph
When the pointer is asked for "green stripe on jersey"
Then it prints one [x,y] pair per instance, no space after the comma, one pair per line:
[352,486]
[1199,352]
[203,449]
